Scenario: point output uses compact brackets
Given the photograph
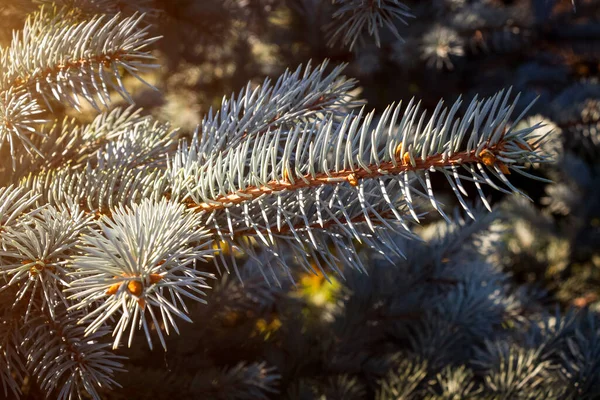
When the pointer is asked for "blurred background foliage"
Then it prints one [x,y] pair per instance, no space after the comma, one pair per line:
[505,307]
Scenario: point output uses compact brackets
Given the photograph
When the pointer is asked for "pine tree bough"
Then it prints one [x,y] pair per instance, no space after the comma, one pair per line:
[105,226]
[349,177]
[55,55]
[403,164]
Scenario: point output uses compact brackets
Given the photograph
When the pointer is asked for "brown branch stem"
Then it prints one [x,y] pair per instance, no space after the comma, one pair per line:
[105,59]
[349,175]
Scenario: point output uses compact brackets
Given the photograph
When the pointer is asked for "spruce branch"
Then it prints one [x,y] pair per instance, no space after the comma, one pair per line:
[20,118]
[138,261]
[513,370]
[350,178]
[71,145]
[36,251]
[440,46]
[97,190]
[306,94]
[12,369]
[143,144]
[57,56]
[403,381]
[291,160]
[455,384]
[343,387]
[355,18]
[65,361]
[14,201]
[581,359]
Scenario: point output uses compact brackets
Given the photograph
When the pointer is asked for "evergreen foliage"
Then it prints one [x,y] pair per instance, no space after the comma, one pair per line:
[296,243]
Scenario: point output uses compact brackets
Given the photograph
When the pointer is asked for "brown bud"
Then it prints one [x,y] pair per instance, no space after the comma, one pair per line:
[398,151]
[113,289]
[141,303]
[189,203]
[285,175]
[352,180]
[487,157]
[135,287]
[36,269]
[155,278]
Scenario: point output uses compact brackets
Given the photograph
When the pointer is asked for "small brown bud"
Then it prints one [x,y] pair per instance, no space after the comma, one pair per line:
[487,157]
[352,180]
[286,175]
[141,303]
[113,289]
[135,287]
[36,269]
[189,203]
[155,278]
[398,151]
